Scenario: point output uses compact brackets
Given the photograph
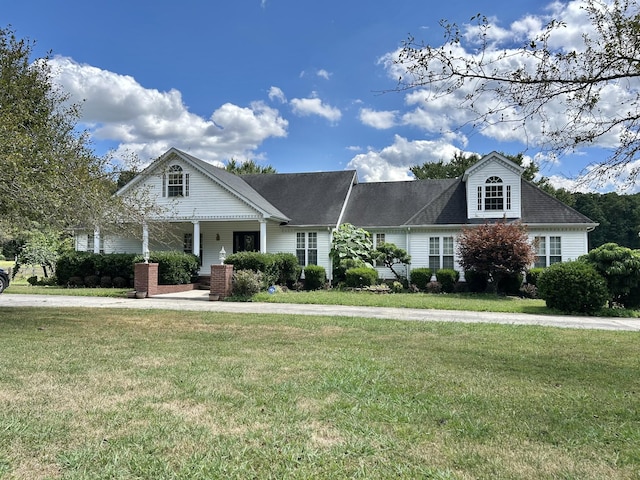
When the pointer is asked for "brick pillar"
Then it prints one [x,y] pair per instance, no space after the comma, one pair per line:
[221,278]
[145,278]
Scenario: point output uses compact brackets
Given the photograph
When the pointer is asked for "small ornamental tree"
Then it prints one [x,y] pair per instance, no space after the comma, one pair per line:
[620,267]
[391,256]
[495,250]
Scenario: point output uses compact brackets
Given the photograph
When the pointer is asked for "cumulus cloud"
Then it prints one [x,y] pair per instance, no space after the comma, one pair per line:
[392,163]
[380,120]
[147,122]
[276,93]
[314,106]
[322,73]
[443,114]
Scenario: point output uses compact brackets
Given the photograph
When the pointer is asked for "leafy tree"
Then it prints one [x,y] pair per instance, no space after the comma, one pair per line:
[461,162]
[534,81]
[43,249]
[247,167]
[48,173]
[391,256]
[620,267]
[351,247]
[495,250]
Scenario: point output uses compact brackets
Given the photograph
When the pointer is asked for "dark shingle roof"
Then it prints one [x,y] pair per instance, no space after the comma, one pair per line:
[387,204]
[307,199]
[539,207]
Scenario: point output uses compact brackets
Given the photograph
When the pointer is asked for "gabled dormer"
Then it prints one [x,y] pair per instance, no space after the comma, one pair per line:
[494,188]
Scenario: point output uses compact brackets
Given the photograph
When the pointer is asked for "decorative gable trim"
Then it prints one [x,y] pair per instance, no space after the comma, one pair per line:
[493,157]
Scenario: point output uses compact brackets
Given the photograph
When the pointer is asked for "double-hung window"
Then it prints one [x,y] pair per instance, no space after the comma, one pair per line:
[548,250]
[440,253]
[307,248]
[378,239]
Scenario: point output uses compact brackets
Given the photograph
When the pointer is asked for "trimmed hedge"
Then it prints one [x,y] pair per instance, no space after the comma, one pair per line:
[533,275]
[361,277]
[315,277]
[447,278]
[420,277]
[573,287]
[174,267]
[276,268]
[85,264]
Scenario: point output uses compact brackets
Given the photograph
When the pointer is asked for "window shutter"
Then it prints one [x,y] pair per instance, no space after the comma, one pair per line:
[186,184]
[164,184]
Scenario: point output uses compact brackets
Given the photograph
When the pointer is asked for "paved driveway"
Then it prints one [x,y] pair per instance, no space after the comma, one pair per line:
[199,300]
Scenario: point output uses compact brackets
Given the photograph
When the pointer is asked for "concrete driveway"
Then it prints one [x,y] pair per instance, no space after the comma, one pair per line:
[198,300]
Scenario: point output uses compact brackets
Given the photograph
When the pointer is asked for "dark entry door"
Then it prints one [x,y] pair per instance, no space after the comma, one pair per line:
[246,242]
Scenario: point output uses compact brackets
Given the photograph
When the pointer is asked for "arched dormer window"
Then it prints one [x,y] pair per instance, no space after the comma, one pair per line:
[175,183]
[494,195]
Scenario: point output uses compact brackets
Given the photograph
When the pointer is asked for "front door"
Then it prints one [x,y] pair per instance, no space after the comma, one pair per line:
[246,242]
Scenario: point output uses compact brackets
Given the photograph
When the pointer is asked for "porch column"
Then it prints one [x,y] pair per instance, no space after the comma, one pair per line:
[96,240]
[196,238]
[263,236]
[145,241]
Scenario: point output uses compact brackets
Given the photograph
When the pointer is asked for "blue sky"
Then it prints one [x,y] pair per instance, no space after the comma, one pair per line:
[296,84]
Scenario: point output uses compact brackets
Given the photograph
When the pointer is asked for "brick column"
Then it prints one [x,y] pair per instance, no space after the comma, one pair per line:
[221,278]
[145,278]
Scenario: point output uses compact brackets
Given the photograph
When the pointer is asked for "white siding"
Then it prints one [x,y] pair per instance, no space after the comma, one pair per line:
[574,243]
[478,179]
[206,200]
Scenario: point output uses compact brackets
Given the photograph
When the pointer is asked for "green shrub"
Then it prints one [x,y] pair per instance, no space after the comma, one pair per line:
[447,278]
[361,277]
[91,281]
[246,283]
[287,267]
[420,277]
[74,282]
[277,268]
[476,281]
[83,264]
[397,287]
[120,282]
[174,267]
[106,282]
[533,275]
[510,284]
[573,287]
[315,277]
[32,280]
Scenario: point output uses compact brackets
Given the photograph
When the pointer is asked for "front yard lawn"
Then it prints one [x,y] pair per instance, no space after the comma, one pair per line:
[99,393]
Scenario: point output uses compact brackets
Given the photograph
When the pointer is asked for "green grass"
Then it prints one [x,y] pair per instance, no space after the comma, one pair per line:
[97,394]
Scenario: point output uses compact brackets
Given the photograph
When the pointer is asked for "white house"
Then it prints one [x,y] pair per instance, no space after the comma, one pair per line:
[214,211]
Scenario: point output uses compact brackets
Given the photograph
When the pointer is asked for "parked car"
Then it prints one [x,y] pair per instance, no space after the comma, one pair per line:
[4,280]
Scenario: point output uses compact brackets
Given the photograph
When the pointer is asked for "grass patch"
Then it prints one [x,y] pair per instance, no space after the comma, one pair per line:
[90,393]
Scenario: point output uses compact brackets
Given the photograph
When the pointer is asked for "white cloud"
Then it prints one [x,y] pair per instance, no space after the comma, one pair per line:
[314,106]
[393,162]
[381,120]
[147,122]
[323,74]
[276,93]
[442,114]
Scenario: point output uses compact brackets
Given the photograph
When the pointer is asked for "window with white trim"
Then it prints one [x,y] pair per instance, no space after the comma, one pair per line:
[91,242]
[493,194]
[378,239]
[440,253]
[175,183]
[548,250]
[307,248]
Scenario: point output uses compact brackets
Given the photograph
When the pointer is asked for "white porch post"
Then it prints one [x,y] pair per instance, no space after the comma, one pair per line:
[263,236]
[96,240]
[145,241]
[196,238]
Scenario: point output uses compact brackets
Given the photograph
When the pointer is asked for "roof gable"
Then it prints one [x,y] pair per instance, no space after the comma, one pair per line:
[228,181]
[493,157]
